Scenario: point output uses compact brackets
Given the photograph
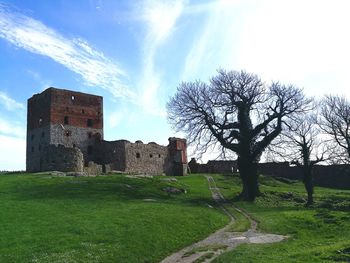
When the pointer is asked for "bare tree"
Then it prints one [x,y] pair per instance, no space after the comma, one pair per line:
[237,111]
[302,145]
[335,121]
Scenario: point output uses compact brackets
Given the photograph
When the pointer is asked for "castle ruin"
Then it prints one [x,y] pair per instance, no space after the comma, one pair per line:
[65,133]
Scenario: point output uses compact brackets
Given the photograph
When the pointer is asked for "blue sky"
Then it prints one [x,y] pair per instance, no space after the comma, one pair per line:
[135,53]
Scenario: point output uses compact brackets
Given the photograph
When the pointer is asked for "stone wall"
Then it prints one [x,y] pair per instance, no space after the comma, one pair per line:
[37,140]
[213,166]
[143,158]
[337,176]
[140,158]
[61,158]
[71,136]
[111,153]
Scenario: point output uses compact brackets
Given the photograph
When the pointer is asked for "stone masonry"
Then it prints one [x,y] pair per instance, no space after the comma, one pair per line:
[65,133]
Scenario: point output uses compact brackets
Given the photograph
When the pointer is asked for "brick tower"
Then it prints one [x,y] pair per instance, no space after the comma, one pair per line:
[62,117]
[177,156]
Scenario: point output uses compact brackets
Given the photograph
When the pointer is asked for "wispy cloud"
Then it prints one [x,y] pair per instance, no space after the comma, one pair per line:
[9,103]
[75,54]
[160,18]
[214,42]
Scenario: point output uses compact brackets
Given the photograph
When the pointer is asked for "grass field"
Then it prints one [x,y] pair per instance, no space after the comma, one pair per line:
[317,234]
[101,219]
[120,219]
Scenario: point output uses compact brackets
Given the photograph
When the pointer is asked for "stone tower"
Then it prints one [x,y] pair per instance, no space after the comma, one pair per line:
[177,157]
[62,117]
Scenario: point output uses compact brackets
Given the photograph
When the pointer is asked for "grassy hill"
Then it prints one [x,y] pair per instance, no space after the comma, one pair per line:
[119,219]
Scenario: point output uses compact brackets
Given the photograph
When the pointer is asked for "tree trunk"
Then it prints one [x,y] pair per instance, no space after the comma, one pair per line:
[307,180]
[249,176]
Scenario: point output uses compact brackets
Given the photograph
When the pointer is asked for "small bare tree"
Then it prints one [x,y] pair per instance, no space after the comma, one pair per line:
[335,121]
[302,145]
[238,112]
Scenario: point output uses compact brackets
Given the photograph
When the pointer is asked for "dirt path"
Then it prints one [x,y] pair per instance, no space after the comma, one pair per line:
[222,240]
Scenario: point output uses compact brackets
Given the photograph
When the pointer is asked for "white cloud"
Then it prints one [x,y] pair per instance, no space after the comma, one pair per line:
[12,129]
[75,54]
[12,154]
[293,41]
[9,103]
[160,18]
[301,42]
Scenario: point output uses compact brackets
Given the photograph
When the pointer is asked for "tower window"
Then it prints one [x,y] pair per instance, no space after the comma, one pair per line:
[151,156]
[66,120]
[32,149]
[42,134]
[32,137]
[89,122]
[138,155]
[82,111]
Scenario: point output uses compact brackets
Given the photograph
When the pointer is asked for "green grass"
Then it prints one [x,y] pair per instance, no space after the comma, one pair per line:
[317,234]
[101,219]
[119,219]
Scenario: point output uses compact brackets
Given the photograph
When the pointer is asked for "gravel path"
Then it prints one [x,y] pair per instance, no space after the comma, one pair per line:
[222,240]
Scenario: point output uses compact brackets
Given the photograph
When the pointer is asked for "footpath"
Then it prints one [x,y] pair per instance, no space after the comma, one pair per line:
[222,240]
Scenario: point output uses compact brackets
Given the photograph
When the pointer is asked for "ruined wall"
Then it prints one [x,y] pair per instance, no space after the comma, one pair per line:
[337,176]
[71,136]
[143,158]
[61,158]
[213,166]
[111,153]
[140,158]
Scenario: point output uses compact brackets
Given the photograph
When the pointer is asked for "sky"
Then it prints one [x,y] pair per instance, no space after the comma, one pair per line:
[136,53]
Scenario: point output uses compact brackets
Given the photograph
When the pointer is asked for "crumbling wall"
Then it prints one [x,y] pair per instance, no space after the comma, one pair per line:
[213,166]
[337,176]
[61,158]
[111,153]
[143,158]
[71,136]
